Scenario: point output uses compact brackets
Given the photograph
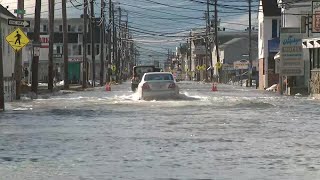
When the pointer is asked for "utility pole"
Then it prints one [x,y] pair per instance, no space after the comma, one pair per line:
[51,41]
[119,50]
[250,47]
[2,108]
[102,32]
[216,36]
[84,45]
[209,40]
[36,40]
[92,28]
[114,41]
[65,43]
[208,43]
[190,57]
[109,40]
[18,58]
[206,38]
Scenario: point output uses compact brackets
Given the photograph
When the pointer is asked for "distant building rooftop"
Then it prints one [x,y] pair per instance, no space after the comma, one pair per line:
[270,8]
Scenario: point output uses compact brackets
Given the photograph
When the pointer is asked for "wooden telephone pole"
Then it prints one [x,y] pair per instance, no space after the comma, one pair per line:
[102,35]
[216,36]
[250,47]
[119,49]
[84,45]
[65,44]
[109,41]
[51,42]
[36,41]
[114,41]
[93,54]
[1,75]
[18,58]
[208,46]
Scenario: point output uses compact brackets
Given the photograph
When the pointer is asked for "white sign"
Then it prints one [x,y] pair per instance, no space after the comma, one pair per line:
[18,22]
[36,51]
[316,16]
[242,64]
[291,54]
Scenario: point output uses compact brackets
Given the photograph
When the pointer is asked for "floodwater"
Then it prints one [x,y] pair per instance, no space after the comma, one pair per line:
[235,133]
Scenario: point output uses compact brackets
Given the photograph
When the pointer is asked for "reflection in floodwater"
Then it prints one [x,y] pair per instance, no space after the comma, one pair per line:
[234,133]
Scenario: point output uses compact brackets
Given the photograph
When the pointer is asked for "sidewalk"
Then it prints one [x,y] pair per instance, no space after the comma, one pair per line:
[26,90]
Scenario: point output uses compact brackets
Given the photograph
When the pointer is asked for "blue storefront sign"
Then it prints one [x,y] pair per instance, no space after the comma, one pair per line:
[274,45]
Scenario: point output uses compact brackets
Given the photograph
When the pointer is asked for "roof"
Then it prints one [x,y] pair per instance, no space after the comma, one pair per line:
[270,8]
[158,73]
[232,41]
[5,11]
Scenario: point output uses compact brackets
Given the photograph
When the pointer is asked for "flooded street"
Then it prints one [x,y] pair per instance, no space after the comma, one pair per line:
[235,133]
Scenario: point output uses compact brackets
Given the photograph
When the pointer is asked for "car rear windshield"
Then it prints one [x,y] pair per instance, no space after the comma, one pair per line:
[158,77]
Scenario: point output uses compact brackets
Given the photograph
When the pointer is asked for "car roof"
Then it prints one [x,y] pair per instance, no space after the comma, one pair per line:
[158,73]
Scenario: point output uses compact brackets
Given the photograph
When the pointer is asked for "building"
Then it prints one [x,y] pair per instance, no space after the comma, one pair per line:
[8,55]
[199,62]
[305,16]
[233,51]
[269,17]
[75,54]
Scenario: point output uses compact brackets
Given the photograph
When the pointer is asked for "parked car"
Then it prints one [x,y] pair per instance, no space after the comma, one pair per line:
[155,85]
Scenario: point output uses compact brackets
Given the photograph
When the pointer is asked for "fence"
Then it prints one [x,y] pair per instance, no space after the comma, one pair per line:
[9,89]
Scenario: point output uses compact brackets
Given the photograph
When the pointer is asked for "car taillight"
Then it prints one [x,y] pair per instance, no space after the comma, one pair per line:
[145,86]
[172,85]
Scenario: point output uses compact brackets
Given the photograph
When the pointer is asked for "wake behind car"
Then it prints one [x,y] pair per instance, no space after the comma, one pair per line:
[157,85]
[138,72]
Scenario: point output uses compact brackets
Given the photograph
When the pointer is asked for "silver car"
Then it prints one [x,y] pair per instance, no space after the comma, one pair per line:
[155,85]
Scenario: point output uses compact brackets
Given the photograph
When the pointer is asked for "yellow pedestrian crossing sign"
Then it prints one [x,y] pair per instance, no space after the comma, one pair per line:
[17,39]
[113,68]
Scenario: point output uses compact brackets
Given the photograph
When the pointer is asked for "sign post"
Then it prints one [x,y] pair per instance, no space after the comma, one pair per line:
[1,75]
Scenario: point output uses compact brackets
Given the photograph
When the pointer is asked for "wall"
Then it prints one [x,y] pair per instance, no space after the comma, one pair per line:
[7,51]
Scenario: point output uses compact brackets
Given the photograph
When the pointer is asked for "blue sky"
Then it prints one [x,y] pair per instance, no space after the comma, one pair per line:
[149,17]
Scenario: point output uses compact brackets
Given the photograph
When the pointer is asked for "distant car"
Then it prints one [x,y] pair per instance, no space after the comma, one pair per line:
[155,85]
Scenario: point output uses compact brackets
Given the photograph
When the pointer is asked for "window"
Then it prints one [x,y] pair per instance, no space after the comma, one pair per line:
[59,50]
[274,28]
[80,28]
[88,49]
[80,49]
[97,49]
[75,50]
[60,28]
[69,28]
[45,28]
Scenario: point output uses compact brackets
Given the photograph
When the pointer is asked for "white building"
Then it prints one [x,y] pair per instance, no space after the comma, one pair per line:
[269,17]
[8,55]
[305,15]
